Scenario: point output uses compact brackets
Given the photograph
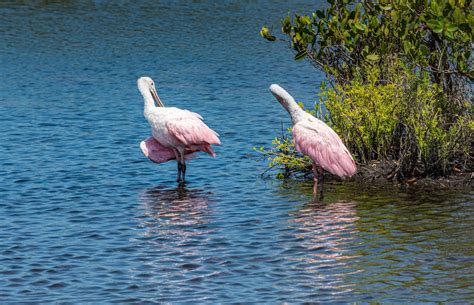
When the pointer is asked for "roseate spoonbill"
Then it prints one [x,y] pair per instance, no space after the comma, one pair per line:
[176,133]
[317,140]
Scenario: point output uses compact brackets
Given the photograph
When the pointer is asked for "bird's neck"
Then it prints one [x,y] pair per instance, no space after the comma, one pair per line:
[149,103]
[295,111]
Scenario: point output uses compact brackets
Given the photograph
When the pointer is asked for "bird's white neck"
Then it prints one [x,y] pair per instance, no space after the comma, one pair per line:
[295,111]
[288,102]
[149,103]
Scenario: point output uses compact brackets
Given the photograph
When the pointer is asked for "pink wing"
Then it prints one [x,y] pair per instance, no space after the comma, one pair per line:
[193,133]
[323,146]
[157,153]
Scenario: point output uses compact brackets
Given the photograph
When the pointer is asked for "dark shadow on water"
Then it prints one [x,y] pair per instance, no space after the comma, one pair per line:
[337,190]
[302,190]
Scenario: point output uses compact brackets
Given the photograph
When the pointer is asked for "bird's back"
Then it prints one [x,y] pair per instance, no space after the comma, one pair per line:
[174,127]
[318,141]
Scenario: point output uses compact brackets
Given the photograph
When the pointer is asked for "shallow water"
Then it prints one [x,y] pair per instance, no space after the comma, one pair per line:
[86,218]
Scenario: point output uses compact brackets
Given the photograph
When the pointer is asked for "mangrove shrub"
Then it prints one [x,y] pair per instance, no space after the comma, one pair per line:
[399,80]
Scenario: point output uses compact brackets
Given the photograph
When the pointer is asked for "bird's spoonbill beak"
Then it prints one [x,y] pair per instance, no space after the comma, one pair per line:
[156,97]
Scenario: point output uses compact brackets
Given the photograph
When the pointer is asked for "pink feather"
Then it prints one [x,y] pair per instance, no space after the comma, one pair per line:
[193,134]
[153,150]
[325,148]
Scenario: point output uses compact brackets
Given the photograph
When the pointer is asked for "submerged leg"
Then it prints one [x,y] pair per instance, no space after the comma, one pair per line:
[315,178]
[183,165]
[321,173]
[183,170]
[177,156]
[180,166]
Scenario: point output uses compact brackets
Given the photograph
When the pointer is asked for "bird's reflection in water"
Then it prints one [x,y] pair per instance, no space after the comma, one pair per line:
[322,234]
[175,227]
[325,236]
[326,226]
[178,211]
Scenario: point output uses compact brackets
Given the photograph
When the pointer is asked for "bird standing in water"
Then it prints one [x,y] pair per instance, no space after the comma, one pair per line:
[317,140]
[176,133]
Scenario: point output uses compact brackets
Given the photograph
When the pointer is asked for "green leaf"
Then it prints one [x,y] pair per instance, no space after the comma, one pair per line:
[373,57]
[449,34]
[386,7]
[300,55]
[406,46]
[356,38]
[435,7]
[435,25]
[305,20]
[286,25]
[452,28]
[264,32]
[359,26]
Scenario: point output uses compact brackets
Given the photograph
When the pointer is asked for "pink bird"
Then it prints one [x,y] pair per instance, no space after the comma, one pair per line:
[176,134]
[317,140]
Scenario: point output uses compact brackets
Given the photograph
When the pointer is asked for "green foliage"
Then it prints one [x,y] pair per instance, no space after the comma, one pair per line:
[402,120]
[400,75]
[364,114]
[434,35]
[284,156]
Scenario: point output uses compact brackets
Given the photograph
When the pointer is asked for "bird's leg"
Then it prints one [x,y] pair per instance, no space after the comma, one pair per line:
[321,173]
[178,159]
[183,165]
[183,170]
[315,178]
[180,166]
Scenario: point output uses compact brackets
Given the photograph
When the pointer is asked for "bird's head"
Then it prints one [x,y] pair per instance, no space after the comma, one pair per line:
[281,95]
[147,85]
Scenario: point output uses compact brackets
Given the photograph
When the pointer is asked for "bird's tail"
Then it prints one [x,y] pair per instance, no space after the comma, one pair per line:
[208,149]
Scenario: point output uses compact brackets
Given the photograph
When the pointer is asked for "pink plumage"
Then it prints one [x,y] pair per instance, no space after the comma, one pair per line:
[176,133]
[153,150]
[324,147]
[192,133]
[317,140]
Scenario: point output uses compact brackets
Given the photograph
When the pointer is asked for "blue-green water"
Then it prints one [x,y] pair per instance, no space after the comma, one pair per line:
[85,217]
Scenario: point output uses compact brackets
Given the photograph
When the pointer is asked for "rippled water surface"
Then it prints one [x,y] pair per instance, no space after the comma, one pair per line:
[85,217]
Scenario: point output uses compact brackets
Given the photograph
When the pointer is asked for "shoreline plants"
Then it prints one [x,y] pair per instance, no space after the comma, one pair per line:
[399,83]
